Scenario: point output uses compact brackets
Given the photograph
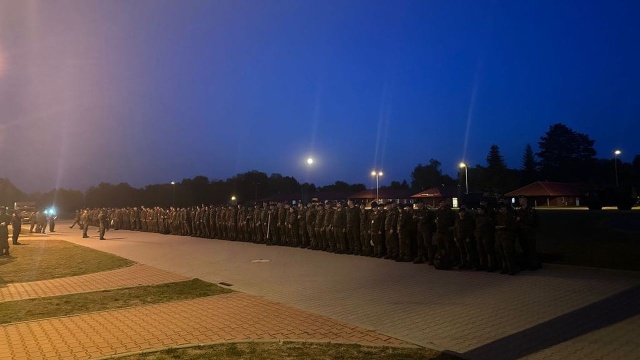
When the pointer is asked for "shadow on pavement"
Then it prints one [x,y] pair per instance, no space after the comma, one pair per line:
[598,315]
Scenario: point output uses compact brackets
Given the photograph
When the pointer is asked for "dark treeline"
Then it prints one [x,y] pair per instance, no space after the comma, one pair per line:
[564,155]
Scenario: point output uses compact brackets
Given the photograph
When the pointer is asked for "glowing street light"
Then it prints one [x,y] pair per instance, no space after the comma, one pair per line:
[615,163]
[377,174]
[173,194]
[466,176]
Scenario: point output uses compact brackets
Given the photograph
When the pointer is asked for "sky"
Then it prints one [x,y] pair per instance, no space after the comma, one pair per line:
[154,91]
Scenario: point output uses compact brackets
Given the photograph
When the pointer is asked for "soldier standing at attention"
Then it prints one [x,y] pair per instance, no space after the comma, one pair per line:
[310,220]
[365,231]
[353,228]
[505,225]
[84,222]
[303,236]
[485,240]
[16,225]
[527,220]
[103,223]
[445,221]
[340,230]
[320,236]
[377,229]
[405,225]
[5,220]
[426,224]
[329,239]
[390,229]
[463,236]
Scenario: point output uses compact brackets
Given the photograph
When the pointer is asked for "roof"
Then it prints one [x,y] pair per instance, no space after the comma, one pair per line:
[436,192]
[383,194]
[548,189]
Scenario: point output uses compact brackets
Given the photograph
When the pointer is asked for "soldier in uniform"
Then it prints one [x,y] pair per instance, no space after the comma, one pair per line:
[485,240]
[505,226]
[291,224]
[103,223]
[84,223]
[527,220]
[463,237]
[5,220]
[16,225]
[339,244]
[365,231]
[377,229]
[405,227]
[319,229]
[445,222]
[391,228]
[76,219]
[310,221]
[302,225]
[353,228]
[426,227]
[329,238]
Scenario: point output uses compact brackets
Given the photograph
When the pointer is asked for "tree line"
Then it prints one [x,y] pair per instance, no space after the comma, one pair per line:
[564,156]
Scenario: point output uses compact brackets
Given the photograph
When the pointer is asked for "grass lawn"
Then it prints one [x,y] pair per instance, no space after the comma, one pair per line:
[291,350]
[49,259]
[42,308]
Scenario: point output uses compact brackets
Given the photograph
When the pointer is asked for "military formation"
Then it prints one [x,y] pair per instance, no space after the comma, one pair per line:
[484,239]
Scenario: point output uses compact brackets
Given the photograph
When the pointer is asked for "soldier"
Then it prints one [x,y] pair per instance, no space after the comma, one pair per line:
[310,220]
[527,220]
[365,231]
[76,219]
[426,227]
[391,228]
[291,226]
[377,229]
[485,240]
[303,236]
[5,220]
[353,228]
[340,230]
[505,226]
[16,225]
[445,222]
[270,224]
[103,223]
[84,223]
[280,237]
[320,237]
[405,227]
[463,237]
[329,238]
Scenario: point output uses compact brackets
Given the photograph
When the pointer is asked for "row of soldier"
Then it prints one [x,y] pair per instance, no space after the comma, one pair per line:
[484,239]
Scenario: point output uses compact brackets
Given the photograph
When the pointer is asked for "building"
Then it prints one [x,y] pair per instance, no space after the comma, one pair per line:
[550,193]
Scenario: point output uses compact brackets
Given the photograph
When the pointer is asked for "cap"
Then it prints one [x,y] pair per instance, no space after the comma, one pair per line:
[374,204]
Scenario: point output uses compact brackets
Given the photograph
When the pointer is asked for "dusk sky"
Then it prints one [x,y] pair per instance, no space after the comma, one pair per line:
[154,91]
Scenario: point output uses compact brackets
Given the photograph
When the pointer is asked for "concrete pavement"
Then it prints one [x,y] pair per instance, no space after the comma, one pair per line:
[559,312]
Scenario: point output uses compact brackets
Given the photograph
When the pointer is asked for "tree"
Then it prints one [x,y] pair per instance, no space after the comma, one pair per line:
[529,166]
[427,176]
[495,161]
[565,155]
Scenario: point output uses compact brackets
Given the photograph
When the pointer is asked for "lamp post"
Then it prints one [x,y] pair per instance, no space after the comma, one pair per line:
[377,174]
[466,177]
[173,194]
[615,163]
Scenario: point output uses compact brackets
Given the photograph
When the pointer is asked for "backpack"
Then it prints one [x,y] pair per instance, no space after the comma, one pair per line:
[441,260]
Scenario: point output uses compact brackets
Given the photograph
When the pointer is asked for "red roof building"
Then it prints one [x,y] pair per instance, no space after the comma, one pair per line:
[550,193]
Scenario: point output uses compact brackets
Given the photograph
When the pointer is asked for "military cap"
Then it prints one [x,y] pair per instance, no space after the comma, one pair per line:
[374,204]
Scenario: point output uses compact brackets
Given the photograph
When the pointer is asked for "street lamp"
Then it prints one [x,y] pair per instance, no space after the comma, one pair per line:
[173,194]
[466,176]
[615,163]
[377,174]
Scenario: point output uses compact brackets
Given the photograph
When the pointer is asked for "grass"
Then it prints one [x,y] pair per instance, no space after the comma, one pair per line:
[51,259]
[42,308]
[291,350]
